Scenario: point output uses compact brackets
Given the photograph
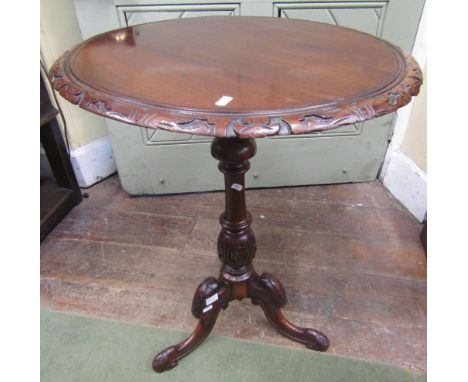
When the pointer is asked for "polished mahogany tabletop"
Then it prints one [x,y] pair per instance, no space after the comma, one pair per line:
[237,76]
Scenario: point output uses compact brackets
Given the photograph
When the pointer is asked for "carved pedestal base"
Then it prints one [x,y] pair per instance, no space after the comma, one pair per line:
[212,295]
[238,279]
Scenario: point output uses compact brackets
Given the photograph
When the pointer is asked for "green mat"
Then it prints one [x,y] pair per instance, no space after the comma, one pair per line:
[76,348]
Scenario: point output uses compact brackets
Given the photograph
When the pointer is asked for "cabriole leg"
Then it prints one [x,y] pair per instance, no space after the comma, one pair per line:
[268,292]
[206,310]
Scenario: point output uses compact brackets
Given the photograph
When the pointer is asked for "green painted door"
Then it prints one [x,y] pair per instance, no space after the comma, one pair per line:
[158,162]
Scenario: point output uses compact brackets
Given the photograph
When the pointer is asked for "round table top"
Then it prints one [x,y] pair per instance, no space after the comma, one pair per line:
[237,76]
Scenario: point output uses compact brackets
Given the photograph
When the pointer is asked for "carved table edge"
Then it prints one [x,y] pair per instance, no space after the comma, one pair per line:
[209,124]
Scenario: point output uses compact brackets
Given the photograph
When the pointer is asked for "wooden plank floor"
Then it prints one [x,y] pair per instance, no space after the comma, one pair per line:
[358,273]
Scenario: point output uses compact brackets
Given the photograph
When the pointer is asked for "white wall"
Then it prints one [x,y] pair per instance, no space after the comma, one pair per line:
[404,170]
[90,147]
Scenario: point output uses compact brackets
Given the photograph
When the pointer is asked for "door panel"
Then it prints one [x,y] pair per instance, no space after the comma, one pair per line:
[363,16]
[340,156]
[157,161]
[134,15]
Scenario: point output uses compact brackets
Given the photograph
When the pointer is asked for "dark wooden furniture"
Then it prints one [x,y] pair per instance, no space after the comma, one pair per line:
[424,235]
[237,79]
[60,192]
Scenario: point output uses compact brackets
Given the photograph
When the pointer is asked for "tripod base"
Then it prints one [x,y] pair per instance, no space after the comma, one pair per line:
[212,295]
[238,279]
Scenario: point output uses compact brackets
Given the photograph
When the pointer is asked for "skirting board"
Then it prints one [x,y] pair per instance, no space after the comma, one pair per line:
[93,162]
[407,182]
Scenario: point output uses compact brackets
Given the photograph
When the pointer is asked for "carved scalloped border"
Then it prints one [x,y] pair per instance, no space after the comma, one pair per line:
[315,120]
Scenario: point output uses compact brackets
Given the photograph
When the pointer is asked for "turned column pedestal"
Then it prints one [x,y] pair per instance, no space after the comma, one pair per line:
[238,278]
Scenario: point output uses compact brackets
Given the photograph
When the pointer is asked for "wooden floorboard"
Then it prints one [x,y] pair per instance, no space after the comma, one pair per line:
[358,268]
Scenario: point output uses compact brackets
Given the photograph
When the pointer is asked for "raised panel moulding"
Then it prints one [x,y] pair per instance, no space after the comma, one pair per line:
[149,13]
[338,13]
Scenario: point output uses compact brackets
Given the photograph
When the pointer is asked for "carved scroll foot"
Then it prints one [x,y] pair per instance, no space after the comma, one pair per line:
[268,292]
[212,295]
[207,302]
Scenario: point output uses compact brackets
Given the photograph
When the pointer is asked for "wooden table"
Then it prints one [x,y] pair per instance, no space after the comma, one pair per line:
[236,79]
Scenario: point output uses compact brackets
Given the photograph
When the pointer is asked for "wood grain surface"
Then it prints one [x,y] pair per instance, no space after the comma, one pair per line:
[348,255]
[280,76]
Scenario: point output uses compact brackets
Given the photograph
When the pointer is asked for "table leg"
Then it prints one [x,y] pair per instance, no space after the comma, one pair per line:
[268,292]
[238,279]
